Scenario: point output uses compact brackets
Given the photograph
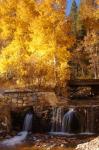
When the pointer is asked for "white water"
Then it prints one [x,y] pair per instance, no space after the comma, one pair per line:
[60,122]
[21,136]
[56,120]
[64,124]
[27,126]
[67,120]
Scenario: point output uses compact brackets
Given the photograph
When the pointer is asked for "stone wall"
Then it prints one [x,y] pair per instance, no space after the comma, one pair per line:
[19,98]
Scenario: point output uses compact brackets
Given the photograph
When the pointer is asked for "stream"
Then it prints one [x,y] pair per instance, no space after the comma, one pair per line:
[65,133]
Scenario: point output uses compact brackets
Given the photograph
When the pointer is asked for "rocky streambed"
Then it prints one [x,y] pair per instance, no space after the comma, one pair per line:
[49,142]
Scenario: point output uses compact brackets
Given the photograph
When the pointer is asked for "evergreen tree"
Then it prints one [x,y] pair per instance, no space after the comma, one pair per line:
[73,16]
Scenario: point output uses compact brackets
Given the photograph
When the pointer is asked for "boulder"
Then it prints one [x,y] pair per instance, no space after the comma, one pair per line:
[92,145]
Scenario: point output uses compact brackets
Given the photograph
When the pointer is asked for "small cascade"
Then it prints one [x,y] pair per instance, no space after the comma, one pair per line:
[70,123]
[56,120]
[64,123]
[92,116]
[86,121]
[27,126]
[88,127]
[73,121]
[21,136]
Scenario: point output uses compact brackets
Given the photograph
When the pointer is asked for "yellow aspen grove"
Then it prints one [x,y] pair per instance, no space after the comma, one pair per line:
[34,42]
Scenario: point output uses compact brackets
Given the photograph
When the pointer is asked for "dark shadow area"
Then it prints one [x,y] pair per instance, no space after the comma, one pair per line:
[39,124]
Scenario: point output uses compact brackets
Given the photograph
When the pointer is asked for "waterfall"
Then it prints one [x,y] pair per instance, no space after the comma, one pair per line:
[67,123]
[21,136]
[64,123]
[27,126]
[88,126]
[92,119]
[56,120]
[70,123]
[86,121]
[67,120]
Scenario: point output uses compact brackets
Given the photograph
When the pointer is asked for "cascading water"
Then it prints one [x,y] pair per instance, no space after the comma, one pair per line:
[21,136]
[64,123]
[70,122]
[88,127]
[56,120]
[27,126]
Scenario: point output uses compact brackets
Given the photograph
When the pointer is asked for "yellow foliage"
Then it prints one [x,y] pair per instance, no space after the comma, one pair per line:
[39,41]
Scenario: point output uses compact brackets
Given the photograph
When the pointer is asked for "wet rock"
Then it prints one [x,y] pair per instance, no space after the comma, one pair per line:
[62,145]
[34,138]
[51,146]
